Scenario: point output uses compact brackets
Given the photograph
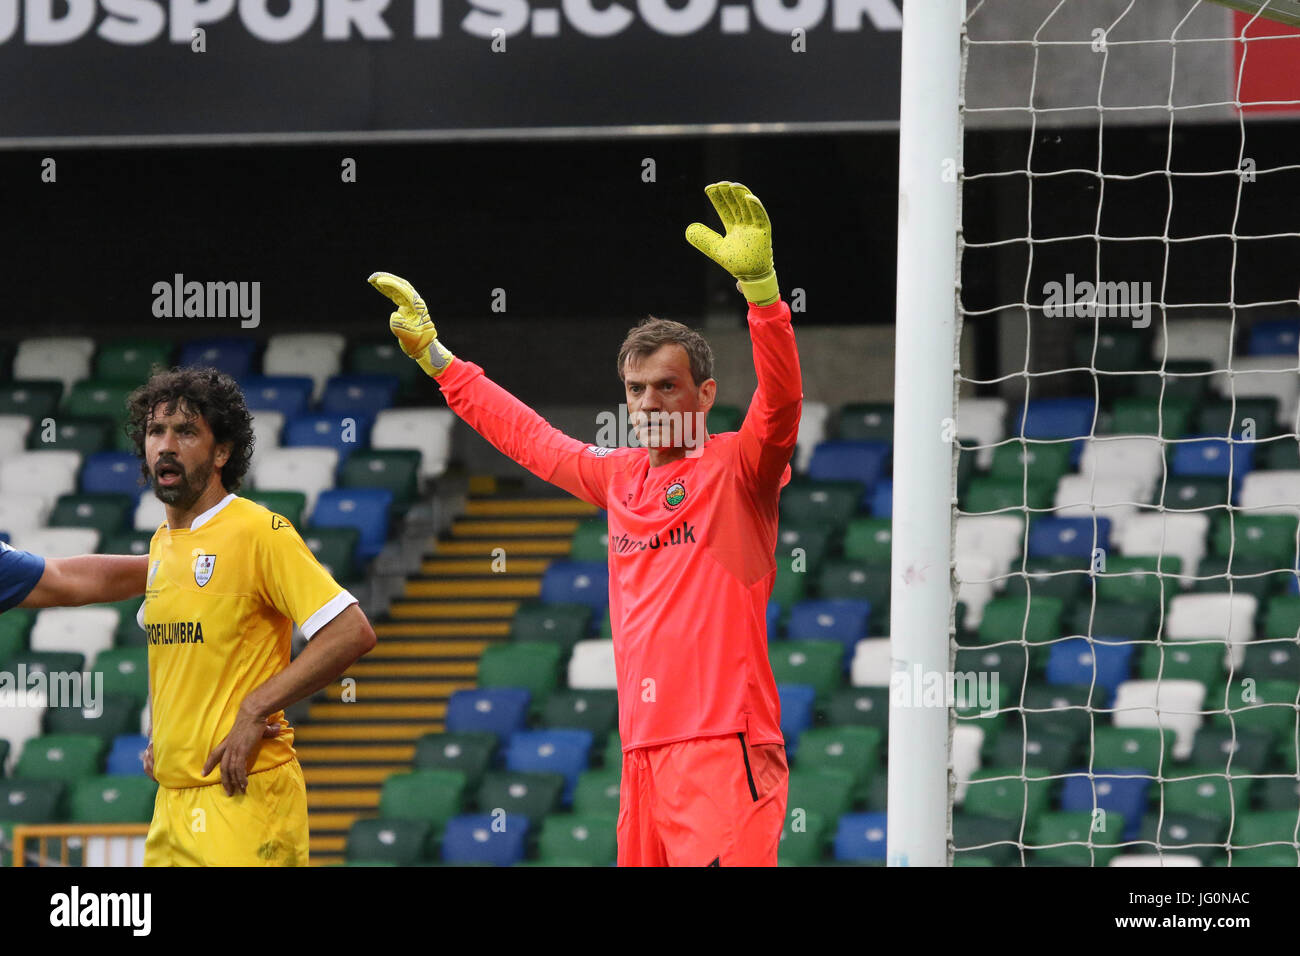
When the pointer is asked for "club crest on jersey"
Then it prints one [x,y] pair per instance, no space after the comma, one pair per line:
[674,495]
[203,566]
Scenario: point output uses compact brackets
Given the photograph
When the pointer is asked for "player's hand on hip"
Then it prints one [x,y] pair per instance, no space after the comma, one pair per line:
[238,750]
[146,758]
[746,249]
[411,323]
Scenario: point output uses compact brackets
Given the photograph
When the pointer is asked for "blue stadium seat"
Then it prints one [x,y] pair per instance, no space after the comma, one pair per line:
[841,619]
[111,472]
[862,461]
[861,837]
[577,582]
[290,395]
[483,838]
[773,620]
[365,509]
[124,755]
[232,356]
[1071,662]
[1066,537]
[1213,457]
[1121,791]
[550,751]
[1054,418]
[1275,337]
[882,499]
[497,710]
[346,433]
[796,713]
[359,394]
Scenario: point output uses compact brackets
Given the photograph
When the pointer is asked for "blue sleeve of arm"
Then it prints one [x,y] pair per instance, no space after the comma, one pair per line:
[19,573]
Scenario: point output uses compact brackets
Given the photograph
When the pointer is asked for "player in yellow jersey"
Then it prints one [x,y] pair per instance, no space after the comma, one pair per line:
[227,580]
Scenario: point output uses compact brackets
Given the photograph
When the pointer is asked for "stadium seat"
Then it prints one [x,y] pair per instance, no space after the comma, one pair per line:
[127,542]
[855,750]
[830,620]
[563,624]
[1203,792]
[597,793]
[882,499]
[1168,417]
[1048,418]
[589,840]
[825,503]
[1035,462]
[984,421]
[397,470]
[818,664]
[1282,617]
[288,395]
[106,513]
[1260,577]
[499,710]
[1269,536]
[1184,834]
[595,711]
[1120,793]
[401,842]
[869,540]
[590,541]
[1139,457]
[1274,337]
[384,358]
[484,838]
[31,801]
[13,433]
[344,433]
[267,428]
[985,841]
[1206,340]
[290,505]
[1238,751]
[308,470]
[871,664]
[112,717]
[366,509]
[1277,793]
[814,540]
[1190,494]
[467,752]
[812,432]
[359,394]
[796,713]
[1146,580]
[33,400]
[46,474]
[592,666]
[1113,498]
[860,461]
[22,512]
[861,836]
[867,421]
[15,625]
[1271,492]
[124,755]
[1170,661]
[1216,417]
[429,796]
[1264,376]
[63,757]
[576,582]
[426,429]
[85,436]
[1257,829]
[827,793]
[554,750]
[1074,537]
[66,360]
[724,418]
[81,630]
[234,356]
[1229,618]
[112,799]
[334,549]
[1037,621]
[1069,838]
[126,673]
[57,542]
[1270,709]
[315,354]
[1050,749]
[855,581]
[1080,661]
[1165,704]
[1212,457]
[111,472]
[94,399]
[803,838]
[1140,748]
[20,720]
[129,362]
[1006,793]
[860,707]
[967,741]
[997,538]
[1180,535]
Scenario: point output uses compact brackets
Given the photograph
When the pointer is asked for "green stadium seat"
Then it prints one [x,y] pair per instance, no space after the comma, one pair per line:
[119,715]
[1258,576]
[819,664]
[386,358]
[1114,619]
[1264,856]
[867,421]
[107,514]
[869,540]
[1250,751]
[859,707]
[15,625]
[428,796]
[1215,416]
[113,799]
[129,633]
[994,839]
[1096,848]
[1282,617]
[853,749]
[64,757]
[1141,415]
[1044,463]
[126,673]
[560,624]
[1192,493]
[533,664]
[1282,454]
[287,504]
[533,795]
[724,418]
[1005,619]
[1060,576]
[1144,580]
[590,840]
[1111,350]
[829,503]
[1201,791]
[1182,833]
[1181,382]
[130,362]
[126,542]
[1009,663]
[790,586]
[590,541]
[32,801]
[468,753]
[1272,660]
[48,661]
[400,842]
[1051,749]
[988,494]
[93,398]
[334,549]
[396,470]
[1270,537]
[1277,793]
[1144,748]
[816,540]
[1003,792]
[803,839]
[1065,707]
[68,433]
[826,793]
[597,792]
[37,399]
[1270,710]
[1206,663]
[1266,826]
[594,710]
[856,580]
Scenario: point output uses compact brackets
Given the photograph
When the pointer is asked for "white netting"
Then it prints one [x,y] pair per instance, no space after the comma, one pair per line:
[1127,529]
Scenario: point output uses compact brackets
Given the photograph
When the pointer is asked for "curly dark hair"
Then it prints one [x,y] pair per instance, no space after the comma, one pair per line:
[207,392]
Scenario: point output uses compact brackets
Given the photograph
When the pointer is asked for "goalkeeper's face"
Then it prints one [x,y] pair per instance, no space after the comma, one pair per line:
[665,404]
[183,456]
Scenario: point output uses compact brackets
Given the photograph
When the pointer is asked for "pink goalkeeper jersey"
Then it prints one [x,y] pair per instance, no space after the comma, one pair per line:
[691,546]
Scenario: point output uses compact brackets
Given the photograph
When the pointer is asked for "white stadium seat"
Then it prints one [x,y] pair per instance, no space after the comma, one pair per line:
[13,433]
[81,630]
[57,542]
[309,470]
[46,474]
[1271,492]
[871,664]
[267,427]
[1195,340]
[1000,537]
[1177,533]
[425,429]
[20,720]
[21,512]
[1080,496]
[984,421]
[315,355]
[149,513]
[1154,859]
[812,431]
[62,360]
[967,739]
[592,666]
[975,584]
[1165,705]
[1129,456]
[1264,376]
[1216,617]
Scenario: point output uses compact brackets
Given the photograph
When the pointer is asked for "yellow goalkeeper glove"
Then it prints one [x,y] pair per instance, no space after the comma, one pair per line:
[746,250]
[412,325]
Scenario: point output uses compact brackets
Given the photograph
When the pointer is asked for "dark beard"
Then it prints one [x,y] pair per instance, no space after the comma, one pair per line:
[185,492]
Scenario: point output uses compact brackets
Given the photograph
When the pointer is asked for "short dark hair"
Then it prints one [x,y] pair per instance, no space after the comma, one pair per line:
[651,333]
[206,392]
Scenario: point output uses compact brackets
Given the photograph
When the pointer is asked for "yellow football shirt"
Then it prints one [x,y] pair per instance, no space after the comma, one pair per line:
[220,604]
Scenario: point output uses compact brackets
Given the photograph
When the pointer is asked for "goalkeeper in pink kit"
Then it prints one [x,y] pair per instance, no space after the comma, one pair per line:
[692,532]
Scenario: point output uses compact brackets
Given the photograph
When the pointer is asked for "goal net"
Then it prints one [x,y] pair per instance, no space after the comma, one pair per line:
[1126,659]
